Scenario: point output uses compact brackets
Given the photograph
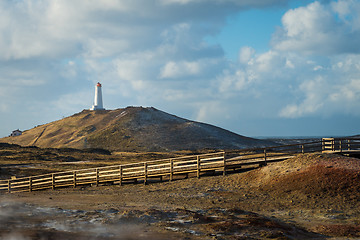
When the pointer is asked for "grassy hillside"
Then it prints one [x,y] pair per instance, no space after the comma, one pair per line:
[132,129]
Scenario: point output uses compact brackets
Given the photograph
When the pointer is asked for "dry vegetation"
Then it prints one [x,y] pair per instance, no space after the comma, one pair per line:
[311,196]
[133,129]
[27,161]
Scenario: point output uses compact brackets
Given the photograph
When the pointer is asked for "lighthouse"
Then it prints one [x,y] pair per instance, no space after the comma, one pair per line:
[98,104]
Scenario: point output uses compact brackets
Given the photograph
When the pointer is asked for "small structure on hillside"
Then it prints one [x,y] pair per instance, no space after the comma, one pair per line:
[15,133]
[98,103]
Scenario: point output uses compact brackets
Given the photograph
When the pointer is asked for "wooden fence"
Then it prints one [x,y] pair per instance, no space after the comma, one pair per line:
[168,168]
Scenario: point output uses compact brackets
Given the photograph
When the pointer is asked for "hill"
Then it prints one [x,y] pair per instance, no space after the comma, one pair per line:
[132,129]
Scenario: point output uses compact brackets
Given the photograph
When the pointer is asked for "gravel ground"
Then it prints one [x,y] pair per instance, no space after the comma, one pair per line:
[311,196]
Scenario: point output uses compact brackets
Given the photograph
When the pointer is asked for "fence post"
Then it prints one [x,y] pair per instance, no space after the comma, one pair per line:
[74,179]
[97,176]
[30,184]
[145,172]
[265,157]
[302,148]
[348,144]
[224,170]
[198,166]
[9,186]
[121,174]
[171,169]
[53,181]
[333,145]
[340,145]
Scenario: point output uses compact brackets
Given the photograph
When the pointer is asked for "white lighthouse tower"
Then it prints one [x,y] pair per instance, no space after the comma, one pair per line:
[98,104]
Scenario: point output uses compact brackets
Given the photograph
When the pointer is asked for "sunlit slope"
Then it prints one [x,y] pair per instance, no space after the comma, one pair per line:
[132,129]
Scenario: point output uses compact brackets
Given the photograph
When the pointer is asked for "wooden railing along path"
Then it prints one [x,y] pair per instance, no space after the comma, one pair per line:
[168,168]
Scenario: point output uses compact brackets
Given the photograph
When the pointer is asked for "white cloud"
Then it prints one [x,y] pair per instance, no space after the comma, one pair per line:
[342,8]
[189,69]
[265,62]
[336,90]
[154,53]
[348,12]
[315,29]
[345,92]
[230,82]
[289,64]
[73,102]
[213,110]
[182,69]
[98,48]
[66,28]
[246,54]
[243,3]
[312,102]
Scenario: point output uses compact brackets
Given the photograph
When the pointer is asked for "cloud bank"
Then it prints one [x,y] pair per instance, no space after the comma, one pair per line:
[155,53]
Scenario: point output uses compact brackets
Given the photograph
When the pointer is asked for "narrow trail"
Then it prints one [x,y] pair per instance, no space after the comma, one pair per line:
[42,132]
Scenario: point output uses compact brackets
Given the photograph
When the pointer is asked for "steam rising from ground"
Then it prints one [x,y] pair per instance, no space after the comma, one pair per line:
[23,221]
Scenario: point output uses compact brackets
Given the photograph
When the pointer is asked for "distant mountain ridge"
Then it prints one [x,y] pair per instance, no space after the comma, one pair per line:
[133,129]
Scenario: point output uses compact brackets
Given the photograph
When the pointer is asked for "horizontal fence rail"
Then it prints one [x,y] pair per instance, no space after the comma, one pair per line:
[219,161]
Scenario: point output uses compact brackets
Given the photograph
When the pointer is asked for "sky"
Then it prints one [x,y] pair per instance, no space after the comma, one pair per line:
[254,67]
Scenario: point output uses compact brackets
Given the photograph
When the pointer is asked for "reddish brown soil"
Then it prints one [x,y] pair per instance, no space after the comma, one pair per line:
[319,181]
[311,196]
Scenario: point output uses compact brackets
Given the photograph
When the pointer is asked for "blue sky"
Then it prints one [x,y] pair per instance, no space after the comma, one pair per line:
[258,68]
[252,27]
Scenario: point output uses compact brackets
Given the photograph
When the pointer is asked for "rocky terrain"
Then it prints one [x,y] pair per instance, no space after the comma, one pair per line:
[133,129]
[310,196]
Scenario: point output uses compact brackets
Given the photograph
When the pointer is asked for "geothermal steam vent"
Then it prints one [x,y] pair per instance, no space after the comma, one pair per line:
[98,104]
